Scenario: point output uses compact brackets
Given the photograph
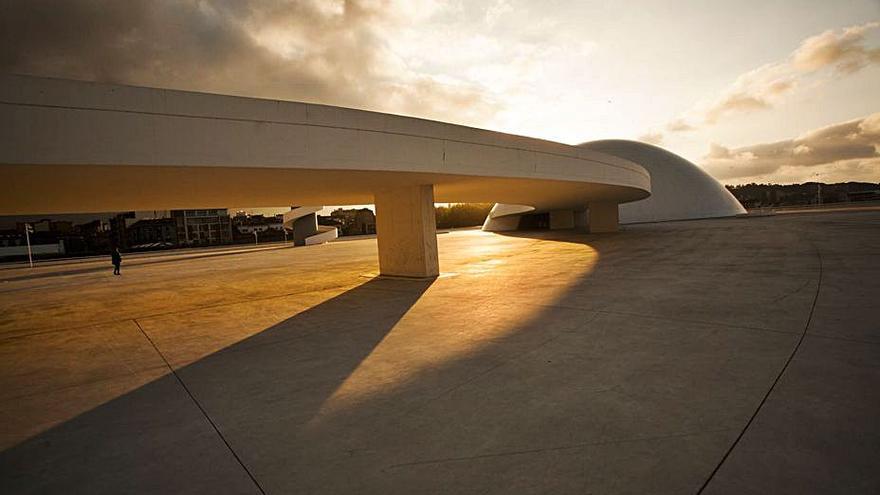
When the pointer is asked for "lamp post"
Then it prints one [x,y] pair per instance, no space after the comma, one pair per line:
[255,238]
[28,228]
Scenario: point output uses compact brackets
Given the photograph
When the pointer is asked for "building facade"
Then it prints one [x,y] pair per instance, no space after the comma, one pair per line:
[360,221]
[153,232]
[203,227]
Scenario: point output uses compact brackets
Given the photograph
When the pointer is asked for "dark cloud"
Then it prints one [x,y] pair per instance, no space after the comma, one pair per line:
[321,51]
[844,144]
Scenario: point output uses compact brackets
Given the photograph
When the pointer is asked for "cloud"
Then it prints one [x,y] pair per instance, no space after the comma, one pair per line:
[756,90]
[496,10]
[853,145]
[679,125]
[325,51]
[870,125]
[657,137]
[652,138]
[718,152]
[843,51]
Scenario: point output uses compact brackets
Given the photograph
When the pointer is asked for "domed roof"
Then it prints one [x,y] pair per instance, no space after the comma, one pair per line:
[680,190]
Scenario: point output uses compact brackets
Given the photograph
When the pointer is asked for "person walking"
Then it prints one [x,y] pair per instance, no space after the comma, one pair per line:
[116,258]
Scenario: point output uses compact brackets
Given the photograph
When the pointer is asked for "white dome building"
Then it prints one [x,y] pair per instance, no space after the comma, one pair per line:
[680,190]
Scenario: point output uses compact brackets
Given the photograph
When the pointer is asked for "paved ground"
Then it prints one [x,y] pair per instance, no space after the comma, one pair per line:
[726,356]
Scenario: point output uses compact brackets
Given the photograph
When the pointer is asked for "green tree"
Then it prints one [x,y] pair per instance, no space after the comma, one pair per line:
[461,215]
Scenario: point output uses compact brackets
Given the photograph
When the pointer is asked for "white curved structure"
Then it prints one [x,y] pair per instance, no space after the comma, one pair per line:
[303,222]
[70,146]
[680,190]
[325,234]
[505,217]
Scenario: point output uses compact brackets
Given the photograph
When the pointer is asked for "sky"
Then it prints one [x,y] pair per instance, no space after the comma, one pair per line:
[753,91]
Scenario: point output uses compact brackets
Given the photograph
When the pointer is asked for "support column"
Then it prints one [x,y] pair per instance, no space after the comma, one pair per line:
[304,227]
[581,222]
[561,219]
[603,217]
[406,231]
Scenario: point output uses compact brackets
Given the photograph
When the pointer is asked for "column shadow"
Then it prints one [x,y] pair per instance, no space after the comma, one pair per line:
[154,439]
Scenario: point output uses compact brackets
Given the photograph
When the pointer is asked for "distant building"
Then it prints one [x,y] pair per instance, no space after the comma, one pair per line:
[48,238]
[203,227]
[12,238]
[153,233]
[257,223]
[47,225]
[14,245]
[355,221]
[95,236]
[330,221]
[119,229]
[266,228]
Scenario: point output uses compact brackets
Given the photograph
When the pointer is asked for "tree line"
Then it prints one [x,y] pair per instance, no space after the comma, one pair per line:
[461,215]
[760,195]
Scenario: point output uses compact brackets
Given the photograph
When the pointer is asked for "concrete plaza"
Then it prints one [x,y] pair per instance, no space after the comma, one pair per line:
[550,362]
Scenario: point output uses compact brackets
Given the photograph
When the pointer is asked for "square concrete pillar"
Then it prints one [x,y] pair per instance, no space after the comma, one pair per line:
[581,222]
[561,219]
[603,217]
[406,231]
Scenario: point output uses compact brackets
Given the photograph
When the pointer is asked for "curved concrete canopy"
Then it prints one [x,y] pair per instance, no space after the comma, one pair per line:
[79,146]
[680,189]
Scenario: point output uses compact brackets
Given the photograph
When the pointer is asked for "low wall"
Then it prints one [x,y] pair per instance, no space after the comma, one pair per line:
[57,248]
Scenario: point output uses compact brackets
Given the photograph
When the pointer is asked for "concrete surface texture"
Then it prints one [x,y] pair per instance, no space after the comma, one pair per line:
[730,356]
[62,142]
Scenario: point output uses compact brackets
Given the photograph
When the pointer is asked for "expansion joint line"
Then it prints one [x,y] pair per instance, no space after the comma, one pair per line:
[202,409]
[778,376]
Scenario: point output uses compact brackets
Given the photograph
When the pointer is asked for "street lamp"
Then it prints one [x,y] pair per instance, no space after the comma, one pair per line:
[28,228]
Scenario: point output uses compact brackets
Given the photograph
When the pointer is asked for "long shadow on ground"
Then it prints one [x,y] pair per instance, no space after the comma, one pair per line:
[634,376]
[155,439]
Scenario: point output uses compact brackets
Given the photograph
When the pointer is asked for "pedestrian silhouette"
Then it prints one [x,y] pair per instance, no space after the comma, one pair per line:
[116,258]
